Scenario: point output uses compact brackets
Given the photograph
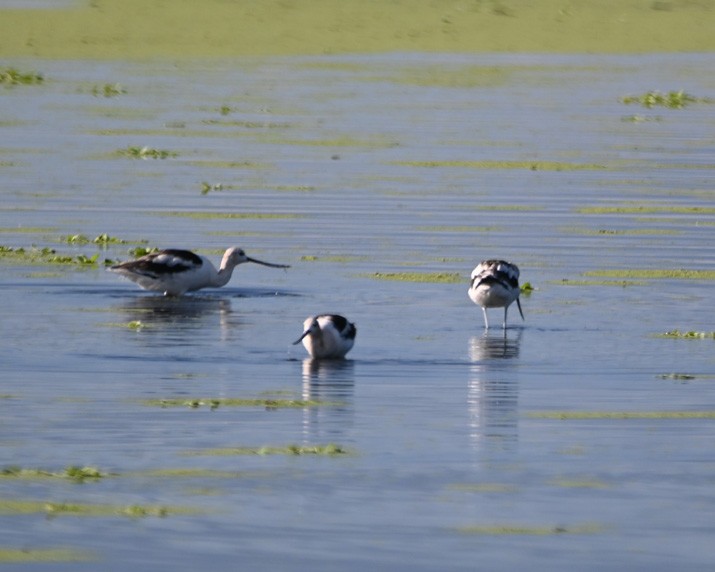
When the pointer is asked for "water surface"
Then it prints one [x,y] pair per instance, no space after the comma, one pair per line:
[345,167]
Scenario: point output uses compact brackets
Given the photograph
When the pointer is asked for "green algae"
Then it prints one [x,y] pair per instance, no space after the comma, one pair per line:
[507,165]
[526,530]
[248,124]
[73,473]
[672,99]
[329,450]
[677,376]
[654,274]
[48,256]
[13,76]
[136,325]
[145,152]
[691,335]
[17,507]
[8,555]
[108,90]
[102,240]
[431,277]
[623,415]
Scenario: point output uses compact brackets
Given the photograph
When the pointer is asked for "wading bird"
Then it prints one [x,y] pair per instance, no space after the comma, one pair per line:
[175,272]
[327,336]
[495,284]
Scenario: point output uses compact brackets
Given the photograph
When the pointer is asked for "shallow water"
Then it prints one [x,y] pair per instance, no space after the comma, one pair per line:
[453,458]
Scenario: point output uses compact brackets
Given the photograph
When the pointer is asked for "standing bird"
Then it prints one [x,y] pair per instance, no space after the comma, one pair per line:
[327,336]
[176,272]
[495,284]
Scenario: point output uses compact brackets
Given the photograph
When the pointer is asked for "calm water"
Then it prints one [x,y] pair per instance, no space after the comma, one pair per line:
[399,163]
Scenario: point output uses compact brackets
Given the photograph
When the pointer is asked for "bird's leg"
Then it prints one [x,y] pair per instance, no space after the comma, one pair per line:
[504,324]
[486,320]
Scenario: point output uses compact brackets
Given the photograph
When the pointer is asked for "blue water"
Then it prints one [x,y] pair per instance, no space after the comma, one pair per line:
[444,423]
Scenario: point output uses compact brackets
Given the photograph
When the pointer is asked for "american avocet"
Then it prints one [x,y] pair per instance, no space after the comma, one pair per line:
[175,272]
[327,336]
[495,284]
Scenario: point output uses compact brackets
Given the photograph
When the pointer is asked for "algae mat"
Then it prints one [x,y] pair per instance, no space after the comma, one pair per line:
[134,29]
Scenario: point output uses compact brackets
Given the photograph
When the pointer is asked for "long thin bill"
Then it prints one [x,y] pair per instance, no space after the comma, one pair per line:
[300,339]
[268,263]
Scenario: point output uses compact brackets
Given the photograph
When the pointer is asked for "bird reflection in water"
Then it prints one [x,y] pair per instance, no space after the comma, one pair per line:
[329,381]
[179,316]
[492,396]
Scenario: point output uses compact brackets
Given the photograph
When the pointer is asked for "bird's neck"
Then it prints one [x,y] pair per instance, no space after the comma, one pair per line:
[223,275]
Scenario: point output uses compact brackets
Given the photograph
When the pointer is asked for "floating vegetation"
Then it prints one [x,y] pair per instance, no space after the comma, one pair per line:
[677,376]
[136,325]
[206,188]
[646,209]
[530,165]
[102,240]
[640,119]
[48,256]
[329,450]
[675,273]
[44,555]
[623,415]
[526,288]
[14,506]
[691,335]
[73,473]
[247,124]
[13,76]
[140,251]
[146,153]
[432,277]
[519,530]
[671,99]
[108,90]
[215,403]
